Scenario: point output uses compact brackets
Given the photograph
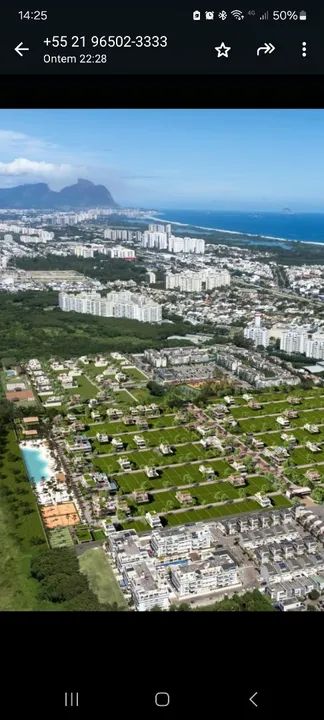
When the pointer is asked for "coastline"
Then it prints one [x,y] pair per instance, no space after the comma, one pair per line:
[233,232]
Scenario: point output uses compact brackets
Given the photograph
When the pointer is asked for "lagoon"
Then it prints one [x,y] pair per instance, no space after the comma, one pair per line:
[36,464]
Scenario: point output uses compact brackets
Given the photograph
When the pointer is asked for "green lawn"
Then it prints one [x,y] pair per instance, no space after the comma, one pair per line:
[215,512]
[134,373]
[268,409]
[172,476]
[83,533]
[190,516]
[60,537]
[118,427]
[98,534]
[303,456]
[258,424]
[95,564]
[85,389]
[153,438]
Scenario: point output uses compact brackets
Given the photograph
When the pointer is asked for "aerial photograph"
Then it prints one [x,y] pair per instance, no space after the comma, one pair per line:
[162,360]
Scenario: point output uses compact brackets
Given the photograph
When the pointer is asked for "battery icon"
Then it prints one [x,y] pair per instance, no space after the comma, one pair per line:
[303,15]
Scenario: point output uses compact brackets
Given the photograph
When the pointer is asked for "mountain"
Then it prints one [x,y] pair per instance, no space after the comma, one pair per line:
[83,194]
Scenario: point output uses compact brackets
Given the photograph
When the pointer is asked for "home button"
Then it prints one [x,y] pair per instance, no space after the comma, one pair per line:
[162,699]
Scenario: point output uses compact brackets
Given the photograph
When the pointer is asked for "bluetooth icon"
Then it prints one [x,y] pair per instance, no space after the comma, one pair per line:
[222,15]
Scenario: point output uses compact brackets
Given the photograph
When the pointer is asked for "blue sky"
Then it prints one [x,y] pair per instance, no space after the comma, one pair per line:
[199,159]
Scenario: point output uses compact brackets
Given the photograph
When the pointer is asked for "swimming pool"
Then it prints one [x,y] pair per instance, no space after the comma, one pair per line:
[36,464]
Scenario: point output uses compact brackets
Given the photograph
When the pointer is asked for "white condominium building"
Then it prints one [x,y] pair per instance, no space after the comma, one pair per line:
[178,543]
[151,277]
[159,237]
[148,590]
[165,228]
[119,251]
[186,245]
[257,333]
[83,251]
[155,240]
[190,281]
[199,578]
[115,304]
[119,234]
[314,348]
[294,339]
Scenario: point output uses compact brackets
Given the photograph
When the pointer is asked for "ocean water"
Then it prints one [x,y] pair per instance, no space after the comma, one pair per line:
[306,227]
[36,465]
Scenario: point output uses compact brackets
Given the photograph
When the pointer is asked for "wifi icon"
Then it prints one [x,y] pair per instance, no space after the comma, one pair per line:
[237,14]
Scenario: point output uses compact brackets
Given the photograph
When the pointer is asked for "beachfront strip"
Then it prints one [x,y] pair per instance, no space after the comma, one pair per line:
[117,457]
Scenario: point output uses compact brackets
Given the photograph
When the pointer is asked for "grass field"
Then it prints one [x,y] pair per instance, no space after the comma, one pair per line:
[190,516]
[85,389]
[169,477]
[83,533]
[303,456]
[60,537]
[220,511]
[118,427]
[95,565]
[152,438]
[134,374]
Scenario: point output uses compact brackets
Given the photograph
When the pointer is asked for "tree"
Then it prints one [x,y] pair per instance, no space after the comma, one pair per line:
[155,388]
[183,607]
[314,595]
[318,495]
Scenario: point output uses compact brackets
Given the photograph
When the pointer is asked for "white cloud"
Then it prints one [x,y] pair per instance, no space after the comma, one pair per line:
[12,141]
[23,166]
[11,136]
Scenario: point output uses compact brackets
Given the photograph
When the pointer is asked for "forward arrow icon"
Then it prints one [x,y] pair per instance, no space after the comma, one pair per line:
[267,48]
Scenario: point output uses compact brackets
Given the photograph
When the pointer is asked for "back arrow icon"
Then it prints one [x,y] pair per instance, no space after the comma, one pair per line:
[20,49]
[266,48]
[251,699]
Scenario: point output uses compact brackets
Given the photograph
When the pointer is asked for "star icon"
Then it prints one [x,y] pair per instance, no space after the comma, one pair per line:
[222,50]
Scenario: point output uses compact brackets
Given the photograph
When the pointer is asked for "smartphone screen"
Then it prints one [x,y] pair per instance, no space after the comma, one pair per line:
[161,359]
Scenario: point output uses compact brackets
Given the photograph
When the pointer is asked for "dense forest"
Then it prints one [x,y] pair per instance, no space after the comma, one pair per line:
[31,324]
[100,267]
[251,601]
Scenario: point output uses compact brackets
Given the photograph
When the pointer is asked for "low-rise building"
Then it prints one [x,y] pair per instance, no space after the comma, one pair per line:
[200,578]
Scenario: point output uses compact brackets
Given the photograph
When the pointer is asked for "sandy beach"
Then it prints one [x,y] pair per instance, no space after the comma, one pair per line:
[231,232]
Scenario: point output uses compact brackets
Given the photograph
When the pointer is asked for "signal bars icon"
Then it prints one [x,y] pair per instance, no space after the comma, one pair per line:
[265,16]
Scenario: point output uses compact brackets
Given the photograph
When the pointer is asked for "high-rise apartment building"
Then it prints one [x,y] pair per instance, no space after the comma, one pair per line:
[256,332]
[186,245]
[83,251]
[190,281]
[294,339]
[115,304]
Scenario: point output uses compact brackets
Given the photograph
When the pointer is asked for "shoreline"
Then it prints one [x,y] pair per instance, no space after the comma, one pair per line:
[233,232]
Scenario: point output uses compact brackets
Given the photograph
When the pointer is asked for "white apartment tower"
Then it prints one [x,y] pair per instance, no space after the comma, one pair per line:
[257,332]
[294,339]
[116,304]
[190,281]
